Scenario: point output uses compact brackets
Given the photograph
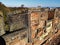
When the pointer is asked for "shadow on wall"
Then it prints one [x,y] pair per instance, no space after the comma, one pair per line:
[2,41]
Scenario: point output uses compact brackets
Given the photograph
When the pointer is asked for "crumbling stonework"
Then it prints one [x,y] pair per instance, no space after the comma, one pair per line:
[17,21]
[2,31]
[37,23]
[56,21]
[16,37]
[34,28]
[41,26]
[54,40]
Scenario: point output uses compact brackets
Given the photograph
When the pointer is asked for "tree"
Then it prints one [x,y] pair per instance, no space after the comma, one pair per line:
[22,5]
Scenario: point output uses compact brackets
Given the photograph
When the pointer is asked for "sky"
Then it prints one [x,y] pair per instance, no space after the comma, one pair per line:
[31,3]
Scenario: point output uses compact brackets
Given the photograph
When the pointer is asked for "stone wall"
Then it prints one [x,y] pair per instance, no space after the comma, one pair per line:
[56,21]
[37,23]
[17,21]
[2,31]
[39,28]
[18,37]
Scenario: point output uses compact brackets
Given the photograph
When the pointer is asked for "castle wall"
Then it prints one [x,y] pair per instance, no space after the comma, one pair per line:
[2,31]
[17,21]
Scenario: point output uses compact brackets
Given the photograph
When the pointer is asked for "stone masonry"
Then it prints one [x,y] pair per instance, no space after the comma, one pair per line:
[2,31]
